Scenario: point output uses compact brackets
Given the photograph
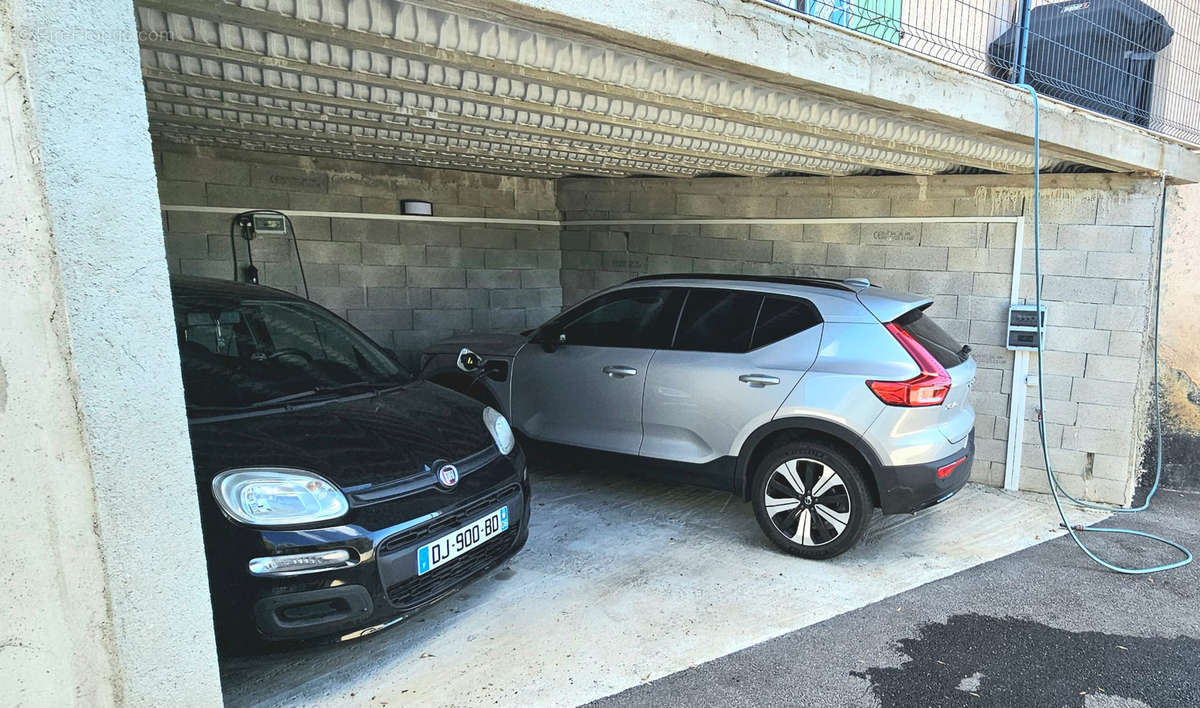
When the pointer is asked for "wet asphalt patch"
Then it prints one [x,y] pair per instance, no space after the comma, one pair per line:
[974,659]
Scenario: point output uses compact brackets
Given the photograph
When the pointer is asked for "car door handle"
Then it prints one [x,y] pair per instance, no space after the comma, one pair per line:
[620,372]
[758,380]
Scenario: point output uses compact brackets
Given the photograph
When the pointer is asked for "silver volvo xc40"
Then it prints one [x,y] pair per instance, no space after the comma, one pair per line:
[816,400]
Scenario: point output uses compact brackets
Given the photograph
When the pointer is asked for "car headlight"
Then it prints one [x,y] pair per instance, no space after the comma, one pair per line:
[271,496]
[500,429]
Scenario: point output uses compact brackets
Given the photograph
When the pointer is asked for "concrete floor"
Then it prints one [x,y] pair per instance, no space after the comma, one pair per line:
[626,580]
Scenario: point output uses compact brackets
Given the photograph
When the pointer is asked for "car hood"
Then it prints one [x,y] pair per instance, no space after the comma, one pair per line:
[486,344]
[351,442]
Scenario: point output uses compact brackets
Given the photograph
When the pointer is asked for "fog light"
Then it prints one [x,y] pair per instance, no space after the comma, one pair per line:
[301,563]
[944,472]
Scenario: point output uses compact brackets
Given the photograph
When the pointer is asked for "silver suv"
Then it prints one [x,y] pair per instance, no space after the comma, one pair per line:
[816,400]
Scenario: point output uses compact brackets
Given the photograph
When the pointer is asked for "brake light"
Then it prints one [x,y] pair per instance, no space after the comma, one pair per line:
[928,388]
[944,472]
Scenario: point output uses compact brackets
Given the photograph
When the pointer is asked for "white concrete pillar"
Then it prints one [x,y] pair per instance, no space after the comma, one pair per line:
[104,584]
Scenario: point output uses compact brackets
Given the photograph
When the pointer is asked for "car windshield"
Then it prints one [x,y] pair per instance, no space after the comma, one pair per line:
[243,353]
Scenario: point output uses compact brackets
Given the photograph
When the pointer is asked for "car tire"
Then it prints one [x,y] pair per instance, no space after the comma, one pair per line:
[830,511]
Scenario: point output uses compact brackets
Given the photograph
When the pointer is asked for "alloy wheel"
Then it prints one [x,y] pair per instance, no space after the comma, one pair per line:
[807,501]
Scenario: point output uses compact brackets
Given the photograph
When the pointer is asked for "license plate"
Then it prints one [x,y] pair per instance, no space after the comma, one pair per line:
[456,543]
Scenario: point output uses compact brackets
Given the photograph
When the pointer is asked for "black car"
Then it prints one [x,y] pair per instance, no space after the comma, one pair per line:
[337,493]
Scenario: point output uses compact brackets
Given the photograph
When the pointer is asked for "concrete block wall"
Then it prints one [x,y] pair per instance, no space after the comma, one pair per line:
[405,284]
[1098,239]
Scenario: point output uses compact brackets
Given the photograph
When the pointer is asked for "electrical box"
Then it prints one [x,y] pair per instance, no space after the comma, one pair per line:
[1023,323]
[269,224]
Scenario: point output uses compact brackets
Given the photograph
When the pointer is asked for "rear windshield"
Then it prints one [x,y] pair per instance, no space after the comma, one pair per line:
[944,348]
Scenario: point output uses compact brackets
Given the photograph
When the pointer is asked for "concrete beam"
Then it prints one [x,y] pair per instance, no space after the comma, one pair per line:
[107,598]
[751,38]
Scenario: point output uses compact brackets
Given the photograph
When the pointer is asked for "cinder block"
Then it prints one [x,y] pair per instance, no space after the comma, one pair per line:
[1002,236]
[196,222]
[782,232]
[540,279]
[338,299]
[381,319]
[969,259]
[429,277]
[582,260]
[722,249]
[1112,368]
[725,206]
[864,208]
[995,285]
[1057,388]
[906,206]
[331,252]
[459,298]
[907,235]
[247,197]
[827,233]
[549,259]
[416,233]
[386,297]
[313,228]
[934,283]
[957,235]
[1115,417]
[609,241]
[492,279]
[883,277]
[347,275]
[1111,467]
[205,268]
[983,332]
[336,202]
[1124,208]
[453,320]
[988,450]
[190,246]
[535,317]
[389,254]
[1057,412]
[1122,318]
[987,380]
[488,238]
[1061,363]
[1126,344]
[1054,433]
[790,252]
[1070,209]
[629,262]
[181,192]
[1074,289]
[1133,292]
[1095,238]
[1053,262]
[1102,392]
[510,259]
[368,230]
[643,242]
[1076,339]
[738,231]
[1130,266]
[992,404]
[976,307]
[507,299]
[1098,441]
[386,276]
[184,166]
[451,256]
[270,176]
[537,240]
[653,203]
[917,258]
[853,255]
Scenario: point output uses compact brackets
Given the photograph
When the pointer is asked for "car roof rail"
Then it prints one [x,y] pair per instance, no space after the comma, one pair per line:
[852,285]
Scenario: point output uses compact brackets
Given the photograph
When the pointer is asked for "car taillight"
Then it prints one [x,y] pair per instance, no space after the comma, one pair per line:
[946,471]
[928,388]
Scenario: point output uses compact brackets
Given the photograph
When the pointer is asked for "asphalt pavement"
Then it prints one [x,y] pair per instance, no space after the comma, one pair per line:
[1042,627]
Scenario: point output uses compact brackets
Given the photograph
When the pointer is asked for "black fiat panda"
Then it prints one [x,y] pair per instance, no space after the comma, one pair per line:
[337,493]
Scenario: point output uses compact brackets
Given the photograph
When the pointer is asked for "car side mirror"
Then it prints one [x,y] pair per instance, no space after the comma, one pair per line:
[550,341]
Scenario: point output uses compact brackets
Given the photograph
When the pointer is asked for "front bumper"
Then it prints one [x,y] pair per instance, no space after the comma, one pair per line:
[910,488]
[383,586]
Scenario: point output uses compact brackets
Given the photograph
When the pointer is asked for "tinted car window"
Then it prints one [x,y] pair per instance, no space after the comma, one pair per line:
[945,349]
[718,320]
[642,318]
[781,317]
[238,353]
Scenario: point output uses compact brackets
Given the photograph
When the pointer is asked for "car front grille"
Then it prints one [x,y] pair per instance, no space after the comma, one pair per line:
[420,589]
[446,522]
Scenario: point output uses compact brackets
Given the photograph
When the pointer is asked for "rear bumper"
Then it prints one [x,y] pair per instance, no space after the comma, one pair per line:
[910,488]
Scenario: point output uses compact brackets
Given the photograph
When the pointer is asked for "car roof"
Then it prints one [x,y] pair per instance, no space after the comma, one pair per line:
[183,285]
[845,285]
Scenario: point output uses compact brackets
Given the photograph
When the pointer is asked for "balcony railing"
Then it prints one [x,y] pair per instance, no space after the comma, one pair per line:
[1135,61]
